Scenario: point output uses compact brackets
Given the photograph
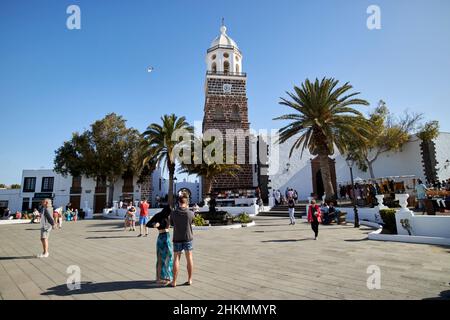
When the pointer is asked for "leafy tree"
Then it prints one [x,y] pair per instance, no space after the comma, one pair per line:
[429,131]
[15,186]
[108,150]
[387,134]
[159,147]
[323,119]
[2,186]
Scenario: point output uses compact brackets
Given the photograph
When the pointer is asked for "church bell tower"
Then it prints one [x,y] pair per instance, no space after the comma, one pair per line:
[226,104]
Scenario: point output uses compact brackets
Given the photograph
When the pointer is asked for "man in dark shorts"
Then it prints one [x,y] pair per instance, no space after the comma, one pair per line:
[181,219]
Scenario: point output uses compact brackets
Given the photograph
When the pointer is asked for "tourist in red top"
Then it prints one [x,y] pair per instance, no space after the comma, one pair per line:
[314,217]
[143,218]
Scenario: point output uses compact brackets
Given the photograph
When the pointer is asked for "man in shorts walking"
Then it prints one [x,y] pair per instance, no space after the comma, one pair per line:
[181,219]
[47,224]
[143,218]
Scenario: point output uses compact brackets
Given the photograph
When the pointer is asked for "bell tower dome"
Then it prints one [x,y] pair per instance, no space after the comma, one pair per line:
[223,55]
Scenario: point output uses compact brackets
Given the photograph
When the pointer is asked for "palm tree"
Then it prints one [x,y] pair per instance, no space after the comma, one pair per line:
[207,168]
[323,120]
[160,147]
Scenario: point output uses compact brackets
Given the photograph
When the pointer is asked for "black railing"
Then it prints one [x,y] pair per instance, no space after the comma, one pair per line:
[222,73]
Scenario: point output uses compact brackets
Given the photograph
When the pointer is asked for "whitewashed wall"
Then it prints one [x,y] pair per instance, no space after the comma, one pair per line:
[442,155]
[194,187]
[12,196]
[404,163]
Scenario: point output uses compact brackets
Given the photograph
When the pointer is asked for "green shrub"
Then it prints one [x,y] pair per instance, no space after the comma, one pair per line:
[390,224]
[199,221]
[243,218]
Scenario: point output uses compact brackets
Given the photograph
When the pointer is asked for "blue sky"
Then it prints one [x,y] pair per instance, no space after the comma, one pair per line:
[54,81]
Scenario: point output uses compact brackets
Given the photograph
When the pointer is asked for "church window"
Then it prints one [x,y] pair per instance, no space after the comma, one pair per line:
[213,57]
[218,113]
[237,68]
[226,55]
[226,67]
[214,67]
[235,115]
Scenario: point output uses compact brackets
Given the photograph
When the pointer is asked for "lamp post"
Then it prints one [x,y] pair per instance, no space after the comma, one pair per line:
[350,162]
[175,188]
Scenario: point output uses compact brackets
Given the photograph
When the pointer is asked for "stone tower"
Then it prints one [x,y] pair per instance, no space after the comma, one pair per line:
[226,104]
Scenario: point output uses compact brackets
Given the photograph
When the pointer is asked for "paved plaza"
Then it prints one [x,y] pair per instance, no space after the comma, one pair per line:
[269,261]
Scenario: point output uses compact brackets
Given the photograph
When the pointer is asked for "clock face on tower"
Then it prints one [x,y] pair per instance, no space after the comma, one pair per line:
[227,88]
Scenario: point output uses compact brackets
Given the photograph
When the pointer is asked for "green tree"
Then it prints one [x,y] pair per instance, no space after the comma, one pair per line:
[159,145]
[2,186]
[108,150]
[387,134]
[15,186]
[324,119]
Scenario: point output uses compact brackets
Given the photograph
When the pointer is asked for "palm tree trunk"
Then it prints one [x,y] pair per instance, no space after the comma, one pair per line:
[170,195]
[110,193]
[370,165]
[326,176]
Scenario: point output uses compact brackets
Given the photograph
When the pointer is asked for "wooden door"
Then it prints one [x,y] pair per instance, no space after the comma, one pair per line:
[99,203]
[75,201]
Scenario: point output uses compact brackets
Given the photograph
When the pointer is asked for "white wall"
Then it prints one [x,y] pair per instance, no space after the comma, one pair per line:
[12,196]
[442,155]
[405,163]
[194,187]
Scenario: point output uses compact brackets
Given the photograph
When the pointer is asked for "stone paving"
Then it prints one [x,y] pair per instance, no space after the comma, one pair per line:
[269,261]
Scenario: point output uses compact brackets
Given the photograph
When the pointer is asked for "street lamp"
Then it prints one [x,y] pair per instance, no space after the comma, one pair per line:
[351,162]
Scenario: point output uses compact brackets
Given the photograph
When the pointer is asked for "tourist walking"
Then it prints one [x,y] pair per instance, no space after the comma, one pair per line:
[182,219]
[143,218]
[421,191]
[291,205]
[47,224]
[314,217]
[130,219]
[164,255]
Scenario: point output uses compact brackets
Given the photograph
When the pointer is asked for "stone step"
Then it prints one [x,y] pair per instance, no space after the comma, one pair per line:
[280,214]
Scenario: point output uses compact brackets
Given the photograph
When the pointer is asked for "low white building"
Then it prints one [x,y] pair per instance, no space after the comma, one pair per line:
[81,192]
[10,198]
[303,173]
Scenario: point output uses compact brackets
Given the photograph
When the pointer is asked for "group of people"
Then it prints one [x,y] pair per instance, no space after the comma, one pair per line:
[168,252]
[130,218]
[438,185]
[290,193]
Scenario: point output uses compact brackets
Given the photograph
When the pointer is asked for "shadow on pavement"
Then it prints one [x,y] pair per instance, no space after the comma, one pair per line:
[444,295]
[356,240]
[113,237]
[112,230]
[287,240]
[18,258]
[92,287]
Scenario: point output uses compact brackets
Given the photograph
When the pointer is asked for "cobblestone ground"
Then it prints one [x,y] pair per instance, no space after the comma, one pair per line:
[269,261]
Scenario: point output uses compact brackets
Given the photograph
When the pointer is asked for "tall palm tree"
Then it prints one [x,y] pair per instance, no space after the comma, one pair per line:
[159,146]
[323,119]
[207,168]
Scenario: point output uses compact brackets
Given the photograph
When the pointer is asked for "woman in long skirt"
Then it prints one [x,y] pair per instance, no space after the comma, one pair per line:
[164,255]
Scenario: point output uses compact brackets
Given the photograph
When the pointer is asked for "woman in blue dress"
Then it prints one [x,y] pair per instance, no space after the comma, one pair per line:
[164,264]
